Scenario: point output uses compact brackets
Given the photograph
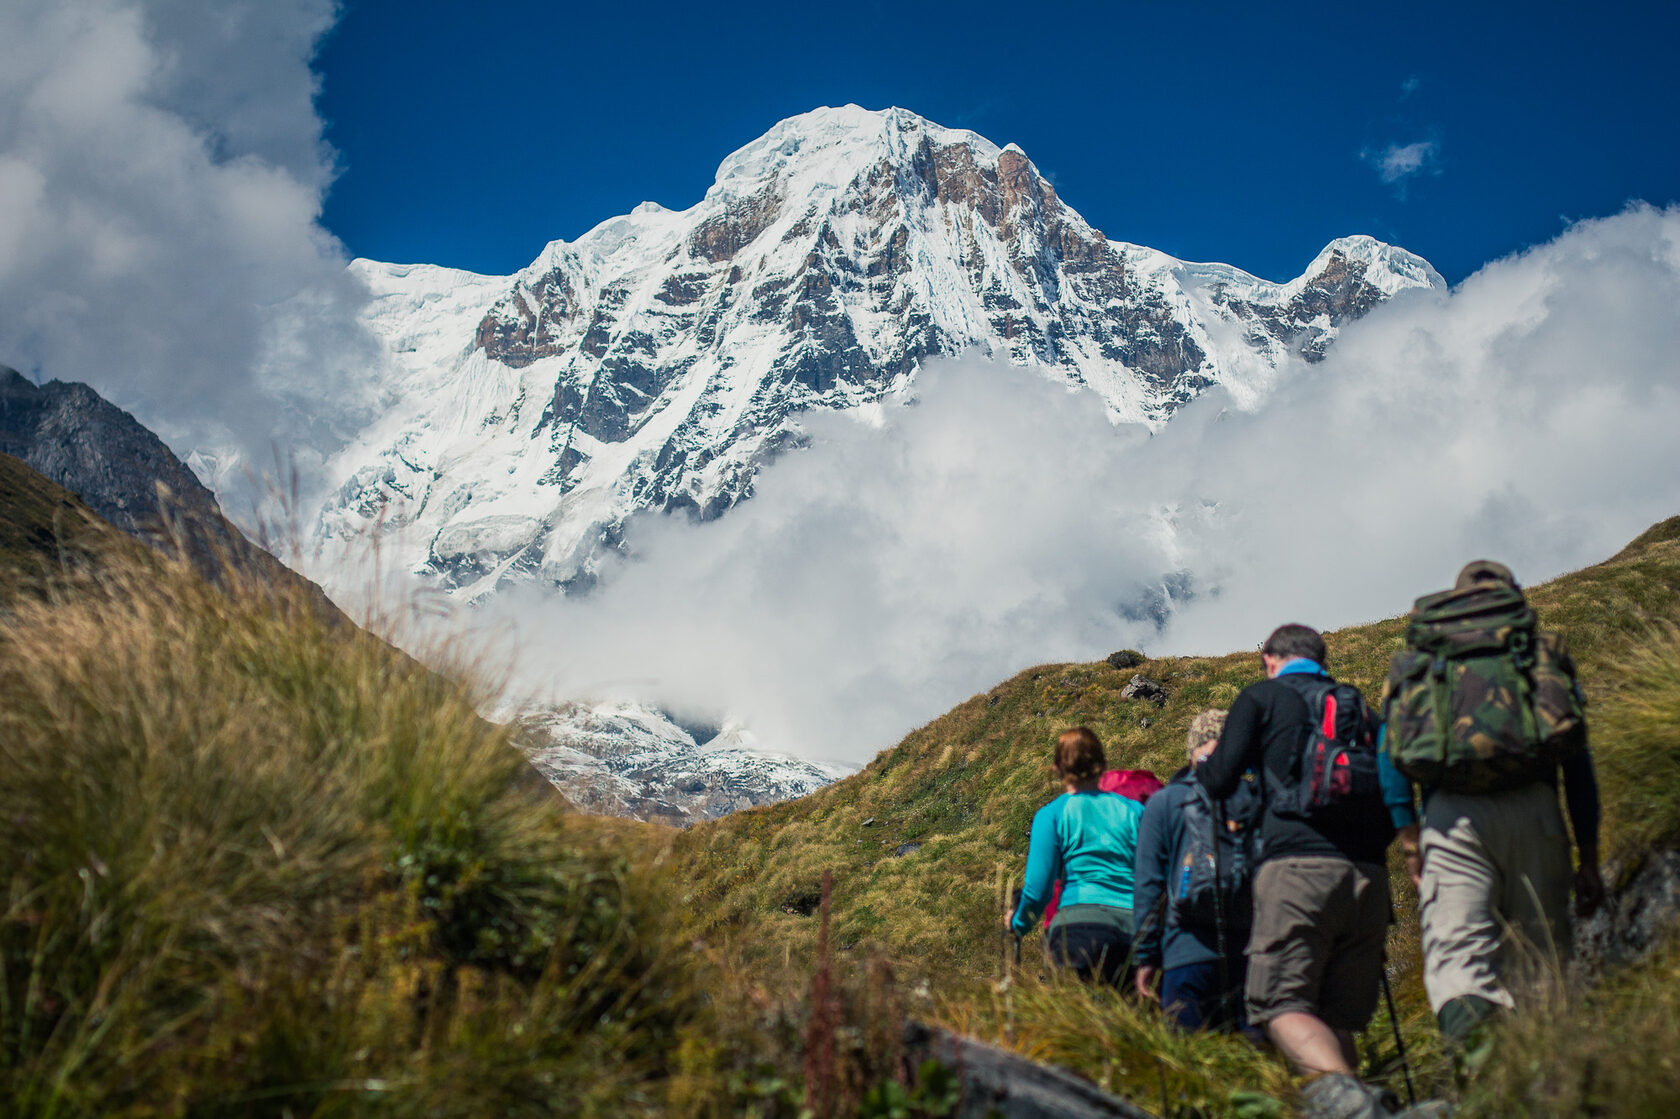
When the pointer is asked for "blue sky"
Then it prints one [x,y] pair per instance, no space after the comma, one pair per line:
[1247,133]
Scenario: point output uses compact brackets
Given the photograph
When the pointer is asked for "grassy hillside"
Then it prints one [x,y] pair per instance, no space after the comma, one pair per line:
[965,786]
[258,863]
[47,533]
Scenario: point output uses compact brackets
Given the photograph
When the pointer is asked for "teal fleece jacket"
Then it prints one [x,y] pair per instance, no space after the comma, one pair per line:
[1088,839]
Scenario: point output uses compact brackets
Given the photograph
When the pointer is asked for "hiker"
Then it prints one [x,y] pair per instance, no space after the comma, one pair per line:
[1088,838]
[1321,904]
[1491,859]
[1191,895]
[1139,785]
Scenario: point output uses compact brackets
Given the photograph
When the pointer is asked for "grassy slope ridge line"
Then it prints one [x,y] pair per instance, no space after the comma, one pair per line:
[964,788]
[256,862]
[46,531]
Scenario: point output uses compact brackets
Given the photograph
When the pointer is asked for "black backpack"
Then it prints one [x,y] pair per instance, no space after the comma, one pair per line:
[1213,868]
[1333,776]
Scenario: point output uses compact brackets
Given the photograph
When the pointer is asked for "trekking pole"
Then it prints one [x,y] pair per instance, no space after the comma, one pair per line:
[1015,904]
[1218,815]
[1399,1045]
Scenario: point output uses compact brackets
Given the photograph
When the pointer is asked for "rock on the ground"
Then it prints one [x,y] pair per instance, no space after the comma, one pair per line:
[1642,909]
[998,1083]
[1142,687]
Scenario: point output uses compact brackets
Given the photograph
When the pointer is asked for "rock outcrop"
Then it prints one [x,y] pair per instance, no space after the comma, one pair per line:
[998,1084]
[70,434]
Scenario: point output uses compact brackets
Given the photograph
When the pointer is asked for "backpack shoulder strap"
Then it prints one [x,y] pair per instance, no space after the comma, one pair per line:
[1311,687]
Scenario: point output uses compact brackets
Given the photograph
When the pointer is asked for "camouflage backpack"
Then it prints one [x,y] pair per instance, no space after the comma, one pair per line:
[1480,700]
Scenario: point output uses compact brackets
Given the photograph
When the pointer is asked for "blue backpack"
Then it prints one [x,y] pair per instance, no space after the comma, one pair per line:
[1213,868]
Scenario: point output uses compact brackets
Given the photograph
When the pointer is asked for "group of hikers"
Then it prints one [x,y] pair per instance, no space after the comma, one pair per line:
[1251,891]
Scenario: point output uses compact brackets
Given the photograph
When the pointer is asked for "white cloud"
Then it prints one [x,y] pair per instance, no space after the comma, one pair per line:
[1398,162]
[161,175]
[889,571]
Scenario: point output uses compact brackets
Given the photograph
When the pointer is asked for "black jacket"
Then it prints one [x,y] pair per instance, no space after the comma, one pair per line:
[1264,731]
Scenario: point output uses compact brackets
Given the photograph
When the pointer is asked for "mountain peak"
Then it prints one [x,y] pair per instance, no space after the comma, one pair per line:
[845,137]
[659,359]
[1388,268]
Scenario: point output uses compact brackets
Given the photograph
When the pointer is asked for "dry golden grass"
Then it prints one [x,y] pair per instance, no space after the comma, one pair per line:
[256,862]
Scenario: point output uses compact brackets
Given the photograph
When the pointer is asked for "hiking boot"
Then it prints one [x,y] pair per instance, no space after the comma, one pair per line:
[1336,1095]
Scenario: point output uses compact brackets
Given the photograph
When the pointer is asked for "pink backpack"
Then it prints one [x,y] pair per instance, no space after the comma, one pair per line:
[1135,784]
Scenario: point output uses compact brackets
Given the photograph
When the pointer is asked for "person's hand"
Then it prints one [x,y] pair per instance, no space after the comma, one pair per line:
[1414,867]
[1145,983]
[1589,889]
[1413,853]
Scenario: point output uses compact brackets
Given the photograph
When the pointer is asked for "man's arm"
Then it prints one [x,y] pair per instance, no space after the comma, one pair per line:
[1149,875]
[1240,747]
[1580,794]
[1402,810]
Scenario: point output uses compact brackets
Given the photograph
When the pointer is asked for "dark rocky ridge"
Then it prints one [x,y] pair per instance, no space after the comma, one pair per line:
[70,434]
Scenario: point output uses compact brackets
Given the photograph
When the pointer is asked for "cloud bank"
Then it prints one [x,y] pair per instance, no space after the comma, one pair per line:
[161,175]
[900,564]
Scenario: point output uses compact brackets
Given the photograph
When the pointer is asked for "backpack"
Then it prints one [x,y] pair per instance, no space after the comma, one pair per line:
[1481,699]
[1333,776]
[1134,784]
[1213,868]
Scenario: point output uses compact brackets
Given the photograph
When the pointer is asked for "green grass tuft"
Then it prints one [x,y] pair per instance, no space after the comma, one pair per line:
[258,863]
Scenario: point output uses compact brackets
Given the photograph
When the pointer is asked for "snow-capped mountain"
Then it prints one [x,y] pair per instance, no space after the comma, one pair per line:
[629,760]
[657,361]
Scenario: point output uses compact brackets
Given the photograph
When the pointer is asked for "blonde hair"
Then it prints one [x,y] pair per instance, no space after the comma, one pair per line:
[1209,724]
[1079,755]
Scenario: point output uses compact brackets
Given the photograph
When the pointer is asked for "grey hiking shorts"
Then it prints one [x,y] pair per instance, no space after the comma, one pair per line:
[1317,944]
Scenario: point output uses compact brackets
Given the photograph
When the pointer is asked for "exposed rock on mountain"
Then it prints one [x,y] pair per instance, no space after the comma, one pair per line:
[1005,1085]
[75,437]
[625,760]
[658,360]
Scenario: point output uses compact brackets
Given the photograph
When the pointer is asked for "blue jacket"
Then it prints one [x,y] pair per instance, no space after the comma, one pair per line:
[1088,839]
[1159,834]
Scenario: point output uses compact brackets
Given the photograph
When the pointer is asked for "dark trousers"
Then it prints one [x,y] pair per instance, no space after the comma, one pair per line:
[1194,998]
[1093,951]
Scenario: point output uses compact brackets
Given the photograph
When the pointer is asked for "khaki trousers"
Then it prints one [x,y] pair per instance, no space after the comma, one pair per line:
[1497,874]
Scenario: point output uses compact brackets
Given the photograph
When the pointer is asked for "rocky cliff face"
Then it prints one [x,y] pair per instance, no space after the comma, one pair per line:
[75,437]
[72,436]
[657,361]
